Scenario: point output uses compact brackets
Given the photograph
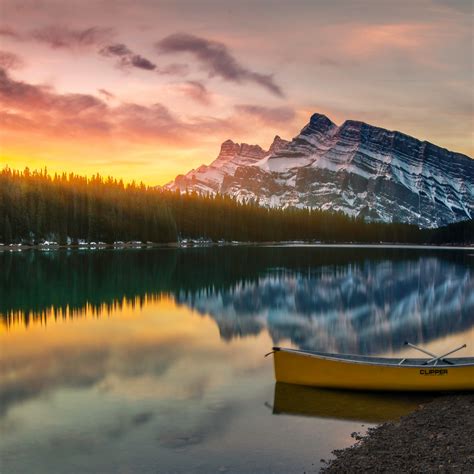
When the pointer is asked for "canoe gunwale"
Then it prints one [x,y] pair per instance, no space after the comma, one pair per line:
[377,361]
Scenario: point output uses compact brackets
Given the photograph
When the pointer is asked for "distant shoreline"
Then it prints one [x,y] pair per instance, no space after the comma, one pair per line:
[201,244]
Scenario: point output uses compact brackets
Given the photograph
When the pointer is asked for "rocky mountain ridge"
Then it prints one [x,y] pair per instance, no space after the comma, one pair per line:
[355,168]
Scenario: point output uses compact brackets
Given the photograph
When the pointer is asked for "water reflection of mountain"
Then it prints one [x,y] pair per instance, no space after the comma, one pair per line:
[357,300]
[368,308]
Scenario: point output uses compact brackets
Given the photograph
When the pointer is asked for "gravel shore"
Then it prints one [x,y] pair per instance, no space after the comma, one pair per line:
[437,437]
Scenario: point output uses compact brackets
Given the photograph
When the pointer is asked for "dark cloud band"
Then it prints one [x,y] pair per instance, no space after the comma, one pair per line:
[126,57]
[217,59]
[64,37]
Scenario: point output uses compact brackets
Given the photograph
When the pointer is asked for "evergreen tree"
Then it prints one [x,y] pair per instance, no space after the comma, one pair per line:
[35,206]
[7,231]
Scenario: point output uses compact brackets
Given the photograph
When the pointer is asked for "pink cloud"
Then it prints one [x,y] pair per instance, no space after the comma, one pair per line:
[266,115]
[10,60]
[356,43]
[196,91]
[368,40]
[39,108]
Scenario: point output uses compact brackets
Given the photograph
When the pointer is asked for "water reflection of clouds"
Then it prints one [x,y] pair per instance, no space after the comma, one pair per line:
[160,363]
[213,422]
[164,386]
[165,377]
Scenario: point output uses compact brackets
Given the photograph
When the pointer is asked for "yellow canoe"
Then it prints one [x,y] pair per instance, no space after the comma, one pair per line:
[354,372]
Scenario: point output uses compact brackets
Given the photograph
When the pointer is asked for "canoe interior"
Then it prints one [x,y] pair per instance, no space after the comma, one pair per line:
[408,362]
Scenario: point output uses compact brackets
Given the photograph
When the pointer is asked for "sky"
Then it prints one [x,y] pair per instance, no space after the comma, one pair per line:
[146,90]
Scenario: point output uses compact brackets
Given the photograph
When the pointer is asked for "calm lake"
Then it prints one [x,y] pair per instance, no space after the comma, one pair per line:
[150,361]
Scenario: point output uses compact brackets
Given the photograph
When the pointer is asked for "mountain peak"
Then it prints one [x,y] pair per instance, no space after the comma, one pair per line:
[318,123]
[277,144]
[317,117]
[235,154]
[353,123]
[228,150]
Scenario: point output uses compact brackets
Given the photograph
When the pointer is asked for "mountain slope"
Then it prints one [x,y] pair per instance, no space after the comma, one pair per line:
[355,168]
[209,178]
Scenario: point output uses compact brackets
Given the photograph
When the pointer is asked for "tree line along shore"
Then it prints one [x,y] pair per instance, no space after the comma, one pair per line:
[37,207]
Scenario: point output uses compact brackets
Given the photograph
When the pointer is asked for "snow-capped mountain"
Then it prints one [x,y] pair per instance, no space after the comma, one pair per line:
[210,178]
[355,168]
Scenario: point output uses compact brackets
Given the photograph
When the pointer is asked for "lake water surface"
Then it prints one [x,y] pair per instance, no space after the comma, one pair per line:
[152,360]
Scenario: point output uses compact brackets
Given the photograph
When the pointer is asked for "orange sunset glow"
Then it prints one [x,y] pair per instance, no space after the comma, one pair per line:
[141,91]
